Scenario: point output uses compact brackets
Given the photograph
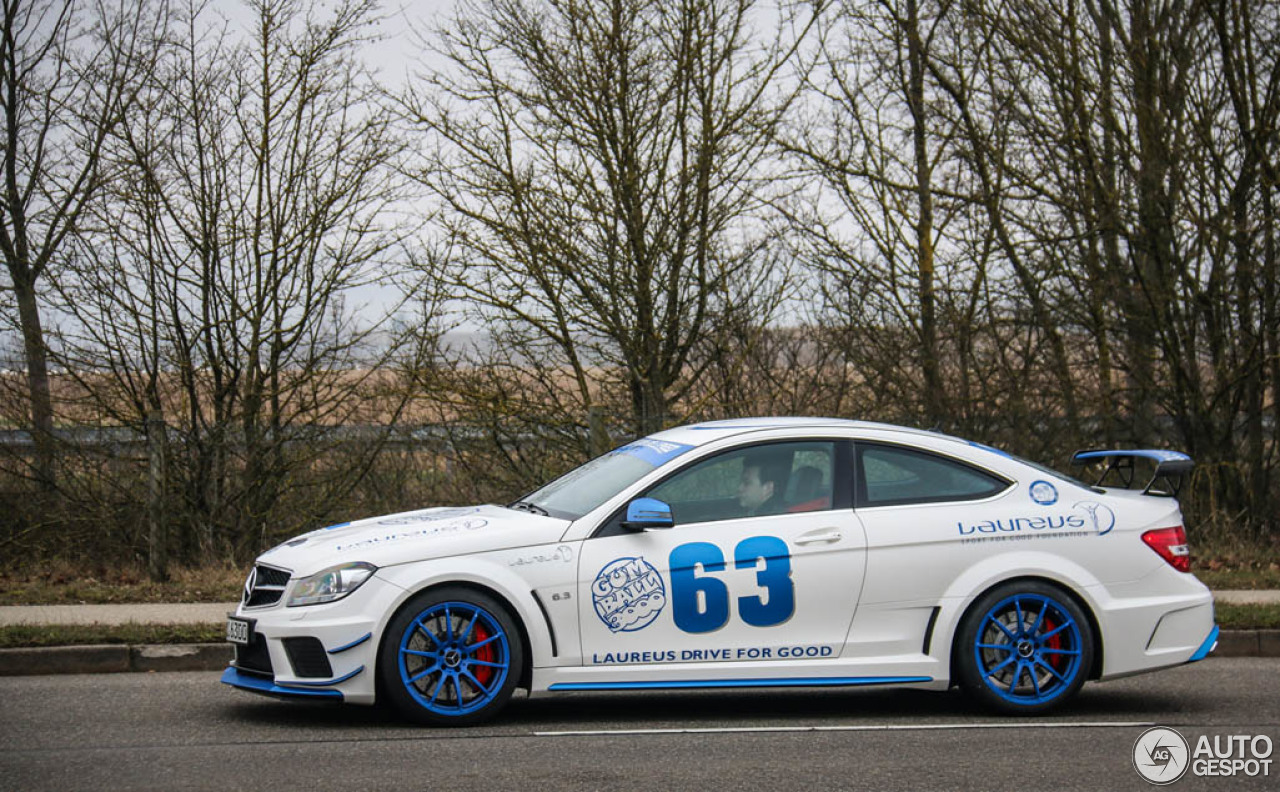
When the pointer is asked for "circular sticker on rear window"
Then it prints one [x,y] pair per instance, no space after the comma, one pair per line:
[1044,493]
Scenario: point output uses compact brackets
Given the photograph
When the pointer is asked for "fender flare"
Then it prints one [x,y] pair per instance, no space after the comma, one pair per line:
[486,576]
[967,588]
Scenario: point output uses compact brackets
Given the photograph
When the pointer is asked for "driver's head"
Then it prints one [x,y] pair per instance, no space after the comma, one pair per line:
[762,478]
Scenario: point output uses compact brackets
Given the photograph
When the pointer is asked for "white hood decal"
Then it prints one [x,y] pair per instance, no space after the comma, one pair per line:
[413,527]
[415,536]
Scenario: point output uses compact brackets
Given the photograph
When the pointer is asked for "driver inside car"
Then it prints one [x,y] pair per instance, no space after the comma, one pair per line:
[764,480]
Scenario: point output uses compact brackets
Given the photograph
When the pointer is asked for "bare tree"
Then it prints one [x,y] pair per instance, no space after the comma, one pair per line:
[218,282]
[68,71]
[1248,39]
[886,227]
[1131,145]
[603,165]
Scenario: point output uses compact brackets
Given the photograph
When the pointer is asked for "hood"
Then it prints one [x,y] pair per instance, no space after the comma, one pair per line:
[414,536]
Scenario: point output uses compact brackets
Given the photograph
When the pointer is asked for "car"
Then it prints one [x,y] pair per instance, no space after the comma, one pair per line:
[767,552]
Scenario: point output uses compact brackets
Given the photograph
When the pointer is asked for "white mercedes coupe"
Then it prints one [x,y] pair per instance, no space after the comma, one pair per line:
[769,552]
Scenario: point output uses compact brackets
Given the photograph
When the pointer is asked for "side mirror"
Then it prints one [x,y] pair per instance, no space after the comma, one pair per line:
[645,513]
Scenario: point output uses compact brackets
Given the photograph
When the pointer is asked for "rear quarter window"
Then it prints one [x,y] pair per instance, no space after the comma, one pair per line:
[893,475]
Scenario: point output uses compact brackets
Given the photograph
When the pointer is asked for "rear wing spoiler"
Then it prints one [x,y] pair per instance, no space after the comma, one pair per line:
[1167,469]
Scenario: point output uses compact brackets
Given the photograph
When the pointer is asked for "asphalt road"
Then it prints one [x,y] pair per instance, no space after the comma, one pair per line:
[186,731]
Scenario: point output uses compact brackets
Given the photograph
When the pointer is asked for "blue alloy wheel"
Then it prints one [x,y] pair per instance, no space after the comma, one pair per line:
[1028,649]
[1024,648]
[454,658]
[451,659]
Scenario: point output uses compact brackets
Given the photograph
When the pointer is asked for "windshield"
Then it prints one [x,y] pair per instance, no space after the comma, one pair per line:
[583,489]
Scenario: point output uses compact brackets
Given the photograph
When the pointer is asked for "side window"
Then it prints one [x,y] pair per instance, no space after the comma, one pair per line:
[775,478]
[889,475]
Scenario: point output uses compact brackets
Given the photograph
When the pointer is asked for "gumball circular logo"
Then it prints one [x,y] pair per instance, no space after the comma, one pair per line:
[628,594]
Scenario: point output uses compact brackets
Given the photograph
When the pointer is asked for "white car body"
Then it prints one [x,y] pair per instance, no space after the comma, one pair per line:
[879,592]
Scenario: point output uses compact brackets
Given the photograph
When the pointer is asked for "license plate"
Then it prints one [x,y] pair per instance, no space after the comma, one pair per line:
[239,631]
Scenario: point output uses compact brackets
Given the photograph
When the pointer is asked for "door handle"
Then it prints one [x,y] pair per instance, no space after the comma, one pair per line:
[820,535]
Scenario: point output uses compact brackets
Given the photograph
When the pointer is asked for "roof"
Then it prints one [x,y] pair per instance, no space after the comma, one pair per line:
[702,433]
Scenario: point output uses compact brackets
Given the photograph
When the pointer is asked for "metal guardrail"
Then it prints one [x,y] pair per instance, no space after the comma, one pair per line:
[127,436]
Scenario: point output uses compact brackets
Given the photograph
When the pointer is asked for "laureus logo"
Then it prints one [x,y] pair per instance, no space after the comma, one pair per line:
[1161,755]
[1102,518]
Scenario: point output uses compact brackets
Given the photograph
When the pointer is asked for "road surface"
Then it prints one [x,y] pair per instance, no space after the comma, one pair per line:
[186,731]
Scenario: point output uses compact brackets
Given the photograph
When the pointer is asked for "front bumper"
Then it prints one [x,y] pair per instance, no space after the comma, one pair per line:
[257,684]
[317,651]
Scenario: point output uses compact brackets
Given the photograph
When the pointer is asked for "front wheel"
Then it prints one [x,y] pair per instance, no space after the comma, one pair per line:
[451,656]
[1024,648]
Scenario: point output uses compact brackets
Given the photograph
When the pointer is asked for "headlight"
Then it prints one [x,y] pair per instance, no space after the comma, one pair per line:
[331,584]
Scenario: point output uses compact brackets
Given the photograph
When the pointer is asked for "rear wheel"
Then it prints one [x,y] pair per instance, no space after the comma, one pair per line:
[1024,648]
[450,656]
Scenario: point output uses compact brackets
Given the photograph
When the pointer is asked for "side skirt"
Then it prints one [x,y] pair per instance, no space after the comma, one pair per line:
[676,684]
[914,670]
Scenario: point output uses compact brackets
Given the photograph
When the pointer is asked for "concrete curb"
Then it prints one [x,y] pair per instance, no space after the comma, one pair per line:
[114,658]
[110,659]
[180,657]
[1248,643]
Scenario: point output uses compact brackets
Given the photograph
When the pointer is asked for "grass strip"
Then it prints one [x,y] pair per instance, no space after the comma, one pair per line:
[1253,578]
[29,635]
[1247,617]
[1230,617]
[66,585]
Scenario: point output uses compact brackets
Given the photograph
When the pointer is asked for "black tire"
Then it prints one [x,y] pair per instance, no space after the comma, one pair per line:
[451,656]
[1024,648]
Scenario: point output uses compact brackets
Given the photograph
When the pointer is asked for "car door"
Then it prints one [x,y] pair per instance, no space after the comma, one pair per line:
[915,505]
[748,572]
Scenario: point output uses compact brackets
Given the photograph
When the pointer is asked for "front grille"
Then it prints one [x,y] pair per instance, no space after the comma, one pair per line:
[265,586]
[308,657]
[253,656]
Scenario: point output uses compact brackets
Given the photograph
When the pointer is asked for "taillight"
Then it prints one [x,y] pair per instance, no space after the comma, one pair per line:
[1171,544]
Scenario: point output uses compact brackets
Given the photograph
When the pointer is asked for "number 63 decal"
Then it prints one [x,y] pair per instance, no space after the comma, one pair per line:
[775,607]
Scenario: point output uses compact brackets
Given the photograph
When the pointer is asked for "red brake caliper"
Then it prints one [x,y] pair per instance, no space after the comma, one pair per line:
[487,654]
[1055,642]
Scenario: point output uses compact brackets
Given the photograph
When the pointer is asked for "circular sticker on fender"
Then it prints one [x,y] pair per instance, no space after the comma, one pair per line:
[628,594]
